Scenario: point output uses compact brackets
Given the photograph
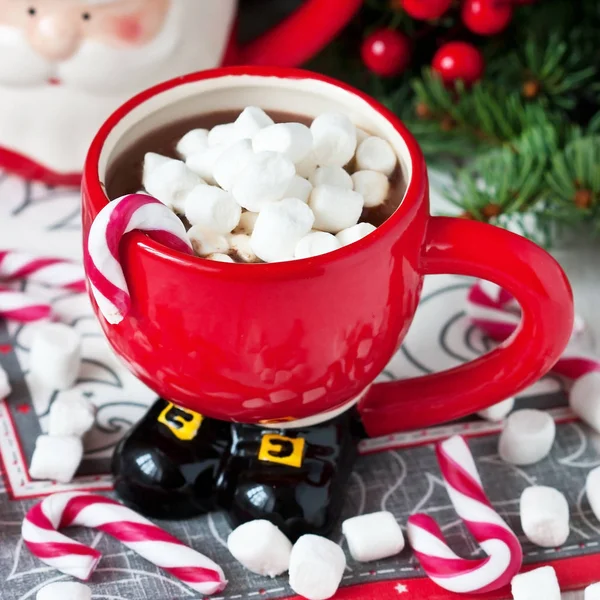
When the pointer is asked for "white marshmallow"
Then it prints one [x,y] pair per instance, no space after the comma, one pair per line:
[231,163]
[355,233]
[71,416]
[316,243]
[5,388]
[242,245]
[293,140]
[335,208]
[332,176]
[334,138]
[265,179]
[203,163]
[261,548]
[168,180]
[251,120]
[527,437]
[592,489]
[497,412]
[206,241]
[56,458]
[361,135]
[536,585]
[584,399]
[247,222]
[307,167]
[544,516]
[376,154]
[299,188]
[373,186]
[220,257]
[592,592]
[317,566]
[192,142]
[279,227]
[226,134]
[211,207]
[65,590]
[55,357]
[373,537]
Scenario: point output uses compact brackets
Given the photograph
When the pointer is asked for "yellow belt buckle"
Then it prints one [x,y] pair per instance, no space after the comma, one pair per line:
[282,450]
[183,424]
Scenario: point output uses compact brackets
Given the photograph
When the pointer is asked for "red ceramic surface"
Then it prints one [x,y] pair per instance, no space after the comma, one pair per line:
[282,341]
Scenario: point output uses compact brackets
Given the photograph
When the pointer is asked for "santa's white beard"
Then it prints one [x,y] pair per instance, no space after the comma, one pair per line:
[20,64]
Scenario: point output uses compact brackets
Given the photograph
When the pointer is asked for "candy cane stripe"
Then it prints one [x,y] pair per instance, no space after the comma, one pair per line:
[18,306]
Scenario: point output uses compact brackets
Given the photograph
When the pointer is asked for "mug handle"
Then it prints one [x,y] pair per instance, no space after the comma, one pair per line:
[301,35]
[533,277]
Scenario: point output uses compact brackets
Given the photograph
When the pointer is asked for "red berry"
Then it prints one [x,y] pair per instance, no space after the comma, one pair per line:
[386,52]
[426,9]
[487,17]
[459,60]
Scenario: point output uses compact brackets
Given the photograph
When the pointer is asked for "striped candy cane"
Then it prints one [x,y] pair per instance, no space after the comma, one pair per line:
[442,565]
[52,272]
[101,252]
[20,307]
[149,541]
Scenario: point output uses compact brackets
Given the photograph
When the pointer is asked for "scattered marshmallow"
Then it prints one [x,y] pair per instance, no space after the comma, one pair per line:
[205,242]
[373,537]
[251,120]
[218,257]
[231,163]
[261,548]
[212,208]
[535,585]
[299,188]
[55,357]
[497,412]
[527,437]
[168,180]
[293,140]
[71,416]
[355,233]
[192,142]
[332,176]
[334,138]
[5,388]
[317,566]
[307,167]
[241,244]
[584,399]
[279,227]
[56,458]
[248,221]
[592,489]
[334,208]
[592,592]
[203,163]
[265,179]
[376,154]
[373,186]
[316,243]
[65,590]
[544,516]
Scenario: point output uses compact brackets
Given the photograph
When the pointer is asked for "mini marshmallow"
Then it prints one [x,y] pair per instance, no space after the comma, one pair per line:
[203,163]
[497,412]
[361,135]
[307,167]
[65,590]
[279,227]
[316,243]
[247,222]
[592,489]
[373,186]
[231,163]
[527,437]
[332,176]
[265,179]
[261,548]
[211,207]
[335,209]
[205,241]
[544,516]
[293,140]
[373,537]
[592,592]
[192,142]
[241,244]
[536,585]
[226,134]
[5,388]
[56,458]
[334,139]
[168,180]
[584,399]
[71,416]
[355,233]
[376,154]
[55,357]
[317,566]
[220,257]
[299,188]
[251,121]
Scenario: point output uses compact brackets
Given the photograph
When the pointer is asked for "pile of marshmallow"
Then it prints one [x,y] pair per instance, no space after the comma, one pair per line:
[270,192]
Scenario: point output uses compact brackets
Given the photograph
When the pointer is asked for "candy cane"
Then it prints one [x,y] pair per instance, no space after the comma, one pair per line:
[442,565]
[149,541]
[52,272]
[101,252]
[18,306]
